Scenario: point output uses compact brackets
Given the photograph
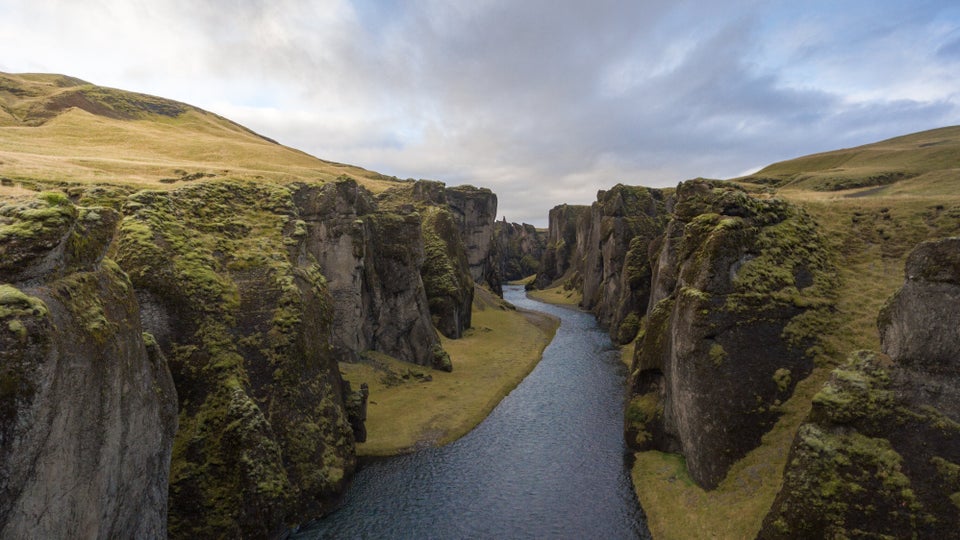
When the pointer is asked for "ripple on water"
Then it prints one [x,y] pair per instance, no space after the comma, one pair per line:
[547,462]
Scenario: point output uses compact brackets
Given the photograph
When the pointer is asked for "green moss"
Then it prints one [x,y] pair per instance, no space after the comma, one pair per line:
[262,434]
[641,413]
[782,379]
[717,354]
[858,390]
[628,328]
[13,302]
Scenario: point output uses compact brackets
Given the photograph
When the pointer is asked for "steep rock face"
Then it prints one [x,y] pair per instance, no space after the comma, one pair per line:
[563,256]
[87,408]
[475,210]
[242,311]
[446,271]
[448,285]
[372,262]
[520,248]
[616,270]
[879,454]
[918,327]
[740,288]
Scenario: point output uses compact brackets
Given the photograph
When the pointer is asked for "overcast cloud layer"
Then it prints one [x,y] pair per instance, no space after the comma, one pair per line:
[543,101]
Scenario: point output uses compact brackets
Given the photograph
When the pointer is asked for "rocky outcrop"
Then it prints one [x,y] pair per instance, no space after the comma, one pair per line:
[562,261]
[445,272]
[372,262]
[623,223]
[87,404]
[741,288]
[457,230]
[520,248]
[919,327]
[475,210]
[879,454]
[243,312]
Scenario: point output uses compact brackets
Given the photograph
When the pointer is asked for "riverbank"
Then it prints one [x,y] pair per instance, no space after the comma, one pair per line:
[557,295]
[412,407]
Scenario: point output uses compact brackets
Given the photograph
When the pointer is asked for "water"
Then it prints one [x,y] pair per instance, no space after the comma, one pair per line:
[547,463]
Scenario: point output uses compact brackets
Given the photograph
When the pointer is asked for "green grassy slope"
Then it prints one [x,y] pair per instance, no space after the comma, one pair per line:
[55,128]
[928,160]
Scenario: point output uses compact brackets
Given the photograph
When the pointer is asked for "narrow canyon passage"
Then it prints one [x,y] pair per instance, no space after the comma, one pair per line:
[547,463]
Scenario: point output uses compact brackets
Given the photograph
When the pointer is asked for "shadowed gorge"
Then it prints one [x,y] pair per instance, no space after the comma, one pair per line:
[204,333]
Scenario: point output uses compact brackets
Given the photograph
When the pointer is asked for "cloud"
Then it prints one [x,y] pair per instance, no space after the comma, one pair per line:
[543,101]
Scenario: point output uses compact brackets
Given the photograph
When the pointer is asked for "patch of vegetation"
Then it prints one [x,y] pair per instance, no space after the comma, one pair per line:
[491,358]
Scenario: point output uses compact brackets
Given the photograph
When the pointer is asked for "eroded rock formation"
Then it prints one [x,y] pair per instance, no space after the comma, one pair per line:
[879,454]
[87,404]
[741,288]
[372,262]
[264,439]
[520,249]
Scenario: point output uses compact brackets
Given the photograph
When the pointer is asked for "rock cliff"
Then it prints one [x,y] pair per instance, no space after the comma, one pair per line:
[741,289]
[457,229]
[87,403]
[563,257]
[879,454]
[520,249]
[242,310]
[251,293]
[372,262]
[616,237]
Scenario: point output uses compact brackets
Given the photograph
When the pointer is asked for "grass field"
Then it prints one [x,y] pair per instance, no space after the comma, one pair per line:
[406,411]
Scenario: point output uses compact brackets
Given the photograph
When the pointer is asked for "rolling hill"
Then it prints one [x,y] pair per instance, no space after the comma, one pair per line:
[55,128]
[925,163]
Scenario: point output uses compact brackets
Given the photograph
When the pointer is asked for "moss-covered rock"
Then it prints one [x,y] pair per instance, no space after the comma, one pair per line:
[82,401]
[245,310]
[869,462]
[445,272]
[742,290]
[520,248]
[563,255]
[372,259]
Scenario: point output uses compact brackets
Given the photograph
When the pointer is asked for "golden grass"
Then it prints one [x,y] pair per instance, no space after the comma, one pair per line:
[557,295]
[912,156]
[677,508]
[78,146]
[488,362]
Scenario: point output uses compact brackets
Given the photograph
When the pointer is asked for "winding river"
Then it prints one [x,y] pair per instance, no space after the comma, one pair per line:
[547,463]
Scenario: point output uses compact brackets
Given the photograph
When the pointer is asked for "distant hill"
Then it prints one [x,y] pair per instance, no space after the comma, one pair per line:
[57,128]
[929,160]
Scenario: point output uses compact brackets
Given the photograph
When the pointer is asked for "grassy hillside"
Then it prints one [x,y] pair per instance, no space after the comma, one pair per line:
[907,191]
[61,129]
[929,161]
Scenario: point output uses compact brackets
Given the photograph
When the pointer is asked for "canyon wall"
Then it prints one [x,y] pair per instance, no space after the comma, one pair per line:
[724,294]
[879,453]
[226,312]
[88,408]
[520,248]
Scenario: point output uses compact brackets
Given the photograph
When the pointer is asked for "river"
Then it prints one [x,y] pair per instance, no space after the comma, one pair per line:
[547,463]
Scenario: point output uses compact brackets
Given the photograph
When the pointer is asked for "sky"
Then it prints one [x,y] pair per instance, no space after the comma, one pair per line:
[543,101]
